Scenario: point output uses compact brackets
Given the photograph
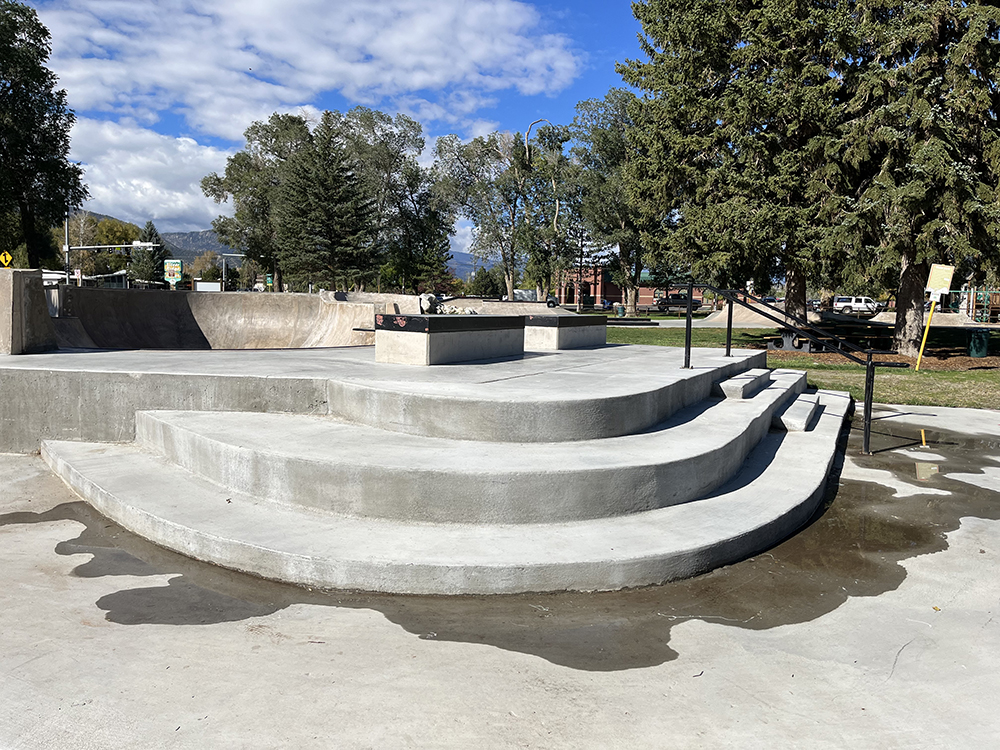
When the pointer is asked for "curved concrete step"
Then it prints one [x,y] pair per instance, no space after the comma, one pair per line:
[361,471]
[577,395]
[777,490]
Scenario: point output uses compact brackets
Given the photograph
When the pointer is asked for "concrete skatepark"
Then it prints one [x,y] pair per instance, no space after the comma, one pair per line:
[873,626]
[587,469]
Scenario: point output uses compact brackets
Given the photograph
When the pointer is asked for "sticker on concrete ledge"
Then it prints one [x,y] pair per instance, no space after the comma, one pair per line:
[5,259]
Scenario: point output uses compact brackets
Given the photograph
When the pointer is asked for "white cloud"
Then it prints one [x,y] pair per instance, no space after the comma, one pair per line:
[461,241]
[129,66]
[227,64]
[137,175]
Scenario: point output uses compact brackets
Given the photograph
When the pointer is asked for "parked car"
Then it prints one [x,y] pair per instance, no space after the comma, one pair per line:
[854,305]
[530,295]
[675,303]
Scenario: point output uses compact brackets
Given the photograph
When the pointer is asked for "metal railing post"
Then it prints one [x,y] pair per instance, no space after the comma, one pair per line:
[729,327]
[869,395]
[687,331]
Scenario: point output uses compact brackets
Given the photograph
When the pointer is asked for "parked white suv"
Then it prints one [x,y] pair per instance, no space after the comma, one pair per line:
[849,305]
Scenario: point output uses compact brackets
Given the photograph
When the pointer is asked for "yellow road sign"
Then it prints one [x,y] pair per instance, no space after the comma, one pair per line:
[5,259]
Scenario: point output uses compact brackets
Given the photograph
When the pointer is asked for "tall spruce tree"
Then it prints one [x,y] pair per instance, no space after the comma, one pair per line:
[147,263]
[734,136]
[922,139]
[323,219]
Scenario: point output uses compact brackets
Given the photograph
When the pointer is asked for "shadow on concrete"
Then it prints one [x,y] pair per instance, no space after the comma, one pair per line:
[852,547]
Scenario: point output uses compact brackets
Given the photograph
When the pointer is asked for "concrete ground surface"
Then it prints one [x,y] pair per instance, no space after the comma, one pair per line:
[874,627]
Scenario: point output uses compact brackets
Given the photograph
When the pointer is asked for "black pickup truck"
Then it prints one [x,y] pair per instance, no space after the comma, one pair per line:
[675,303]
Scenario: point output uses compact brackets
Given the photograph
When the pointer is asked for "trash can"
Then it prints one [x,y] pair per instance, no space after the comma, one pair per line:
[620,312]
[979,342]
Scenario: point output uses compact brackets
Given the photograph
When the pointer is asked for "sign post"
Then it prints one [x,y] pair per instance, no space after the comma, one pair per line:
[173,271]
[938,284]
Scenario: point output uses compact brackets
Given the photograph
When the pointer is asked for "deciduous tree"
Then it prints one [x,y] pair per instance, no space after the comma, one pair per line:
[36,177]
[252,181]
[615,222]
[483,179]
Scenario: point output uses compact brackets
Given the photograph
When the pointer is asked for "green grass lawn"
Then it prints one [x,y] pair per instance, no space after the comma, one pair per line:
[974,388]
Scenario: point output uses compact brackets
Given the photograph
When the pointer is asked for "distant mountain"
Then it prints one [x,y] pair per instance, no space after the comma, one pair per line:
[176,242]
[463,264]
[189,245]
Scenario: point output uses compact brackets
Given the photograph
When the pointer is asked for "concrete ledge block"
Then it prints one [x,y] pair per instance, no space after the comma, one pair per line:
[445,339]
[554,332]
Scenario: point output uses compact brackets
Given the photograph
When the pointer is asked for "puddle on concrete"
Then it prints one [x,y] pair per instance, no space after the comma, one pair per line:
[853,547]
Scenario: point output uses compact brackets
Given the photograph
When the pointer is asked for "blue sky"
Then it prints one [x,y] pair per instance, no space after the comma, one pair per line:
[163,89]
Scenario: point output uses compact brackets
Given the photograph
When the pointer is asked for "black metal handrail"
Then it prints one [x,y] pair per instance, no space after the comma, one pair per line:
[804,329]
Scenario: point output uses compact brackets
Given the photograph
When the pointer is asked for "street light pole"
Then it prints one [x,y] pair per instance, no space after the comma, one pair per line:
[66,245]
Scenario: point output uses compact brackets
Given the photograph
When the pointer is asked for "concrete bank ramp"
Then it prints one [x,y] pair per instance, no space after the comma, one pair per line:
[154,319]
[91,318]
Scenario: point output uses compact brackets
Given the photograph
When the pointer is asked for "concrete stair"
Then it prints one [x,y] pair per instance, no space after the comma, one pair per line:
[797,415]
[744,385]
[346,468]
[326,502]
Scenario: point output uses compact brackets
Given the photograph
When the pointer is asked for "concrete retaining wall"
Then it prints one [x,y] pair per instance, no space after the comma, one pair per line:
[101,406]
[25,325]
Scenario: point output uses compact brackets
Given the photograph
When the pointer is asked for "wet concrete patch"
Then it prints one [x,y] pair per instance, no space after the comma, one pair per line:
[853,547]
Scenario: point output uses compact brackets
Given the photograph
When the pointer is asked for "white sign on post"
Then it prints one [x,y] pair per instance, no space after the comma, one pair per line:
[939,281]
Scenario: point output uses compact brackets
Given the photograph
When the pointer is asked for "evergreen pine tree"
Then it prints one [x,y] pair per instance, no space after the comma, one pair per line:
[922,139]
[735,134]
[322,218]
[147,263]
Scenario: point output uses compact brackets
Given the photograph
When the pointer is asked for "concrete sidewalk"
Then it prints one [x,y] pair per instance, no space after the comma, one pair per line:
[875,627]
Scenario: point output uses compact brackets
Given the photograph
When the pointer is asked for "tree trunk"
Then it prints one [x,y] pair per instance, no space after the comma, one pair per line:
[631,301]
[910,305]
[508,277]
[30,234]
[795,293]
